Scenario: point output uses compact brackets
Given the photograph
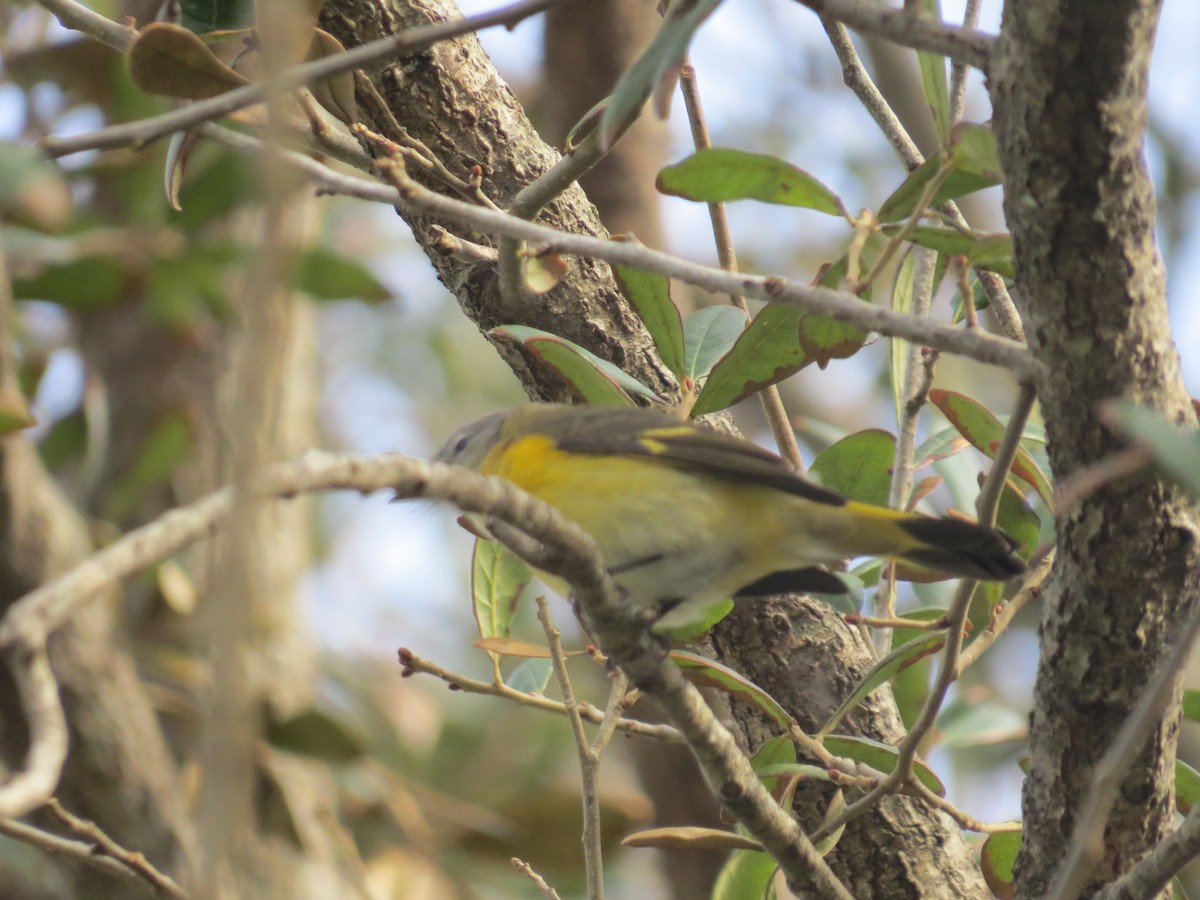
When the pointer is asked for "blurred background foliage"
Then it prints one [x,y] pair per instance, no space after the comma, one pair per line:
[438,790]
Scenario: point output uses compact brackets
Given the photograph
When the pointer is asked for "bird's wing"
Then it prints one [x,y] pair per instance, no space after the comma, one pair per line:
[634,433]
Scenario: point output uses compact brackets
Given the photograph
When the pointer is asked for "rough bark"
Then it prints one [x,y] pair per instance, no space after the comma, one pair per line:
[452,99]
[810,660]
[1068,82]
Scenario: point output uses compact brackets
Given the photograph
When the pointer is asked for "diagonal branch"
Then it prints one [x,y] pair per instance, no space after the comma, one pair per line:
[400,44]
[900,27]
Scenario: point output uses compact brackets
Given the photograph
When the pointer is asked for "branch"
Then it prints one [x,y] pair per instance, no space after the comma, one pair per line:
[95,854]
[414,664]
[589,757]
[570,554]
[100,843]
[838,305]
[900,27]
[955,620]
[401,44]
[769,397]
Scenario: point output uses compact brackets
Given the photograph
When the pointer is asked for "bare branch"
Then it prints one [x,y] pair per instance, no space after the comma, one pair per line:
[401,44]
[900,27]
[414,664]
[100,843]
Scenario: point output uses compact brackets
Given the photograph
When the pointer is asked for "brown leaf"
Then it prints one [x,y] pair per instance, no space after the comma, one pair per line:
[688,837]
[170,61]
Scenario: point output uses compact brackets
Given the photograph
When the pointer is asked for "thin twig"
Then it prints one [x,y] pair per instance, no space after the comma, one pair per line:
[414,664]
[163,885]
[898,26]
[956,617]
[539,882]
[858,79]
[917,788]
[839,305]
[937,624]
[772,403]
[80,851]
[960,70]
[404,43]
[1154,871]
[914,391]
[589,761]
[1004,613]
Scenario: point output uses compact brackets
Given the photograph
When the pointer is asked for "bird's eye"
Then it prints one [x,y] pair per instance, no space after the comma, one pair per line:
[461,444]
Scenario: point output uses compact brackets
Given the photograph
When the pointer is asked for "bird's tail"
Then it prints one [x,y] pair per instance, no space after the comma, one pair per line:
[953,546]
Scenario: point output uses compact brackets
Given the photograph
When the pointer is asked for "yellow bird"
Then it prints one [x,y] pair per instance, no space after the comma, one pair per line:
[685,518]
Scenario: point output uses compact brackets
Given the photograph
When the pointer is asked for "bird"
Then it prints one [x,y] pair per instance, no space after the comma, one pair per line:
[686,518]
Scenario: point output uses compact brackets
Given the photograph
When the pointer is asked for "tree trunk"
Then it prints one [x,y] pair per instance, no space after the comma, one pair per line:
[1068,82]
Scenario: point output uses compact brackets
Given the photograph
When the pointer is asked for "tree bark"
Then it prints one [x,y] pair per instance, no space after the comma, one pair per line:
[1068,83]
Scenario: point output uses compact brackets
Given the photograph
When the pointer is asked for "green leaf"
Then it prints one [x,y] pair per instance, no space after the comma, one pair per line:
[1176,449]
[884,671]
[33,191]
[879,756]
[696,627]
[973,151]
[933,76]
[766,353]
[1191,705]
[772,759]
[980,426]
[988,251]
[720,174]
[1187,787]
[315,734]
[773,752]
[911,686]
[654,72]
[498,579]
[1018,520]
[746,875]
[84,284]
[997,859]
[942,444]
[650,295]
[709,673]
[780,341]
[215,15]
[858,466]
[531,676]
[325,275]
[597,381]
[979,723]
[968,165]
[162,450]
[14,414]
[708,335]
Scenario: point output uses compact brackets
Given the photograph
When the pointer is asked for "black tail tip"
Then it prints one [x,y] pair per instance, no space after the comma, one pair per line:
[966,549]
